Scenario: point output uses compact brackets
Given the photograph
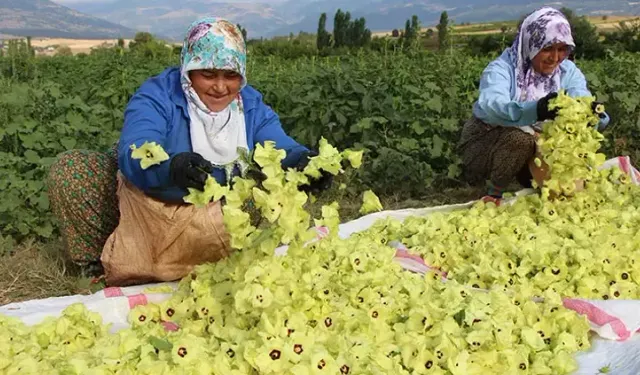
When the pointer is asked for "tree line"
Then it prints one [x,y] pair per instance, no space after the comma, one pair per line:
[346,32]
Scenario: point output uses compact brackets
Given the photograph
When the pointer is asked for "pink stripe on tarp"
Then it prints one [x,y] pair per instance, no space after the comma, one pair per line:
[624,163]
[170,326]
[322,232]
[112,292]
[401,253]
[137,299]
[598,316]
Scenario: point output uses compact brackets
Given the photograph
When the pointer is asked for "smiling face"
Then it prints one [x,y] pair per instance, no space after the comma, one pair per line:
[548,59]
[216,88]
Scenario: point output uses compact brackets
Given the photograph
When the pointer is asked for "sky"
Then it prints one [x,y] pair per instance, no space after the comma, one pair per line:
[71,2]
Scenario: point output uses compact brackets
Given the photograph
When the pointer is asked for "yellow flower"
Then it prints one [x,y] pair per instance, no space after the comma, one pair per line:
[212,190]
[150,153]
[370,202]
[538,162]
[354,157]
[599,109]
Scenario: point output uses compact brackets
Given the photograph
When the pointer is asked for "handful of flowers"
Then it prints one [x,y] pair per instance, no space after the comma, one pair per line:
[568,146]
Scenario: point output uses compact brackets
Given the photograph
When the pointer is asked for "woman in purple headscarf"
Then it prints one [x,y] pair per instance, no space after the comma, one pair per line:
[498,142]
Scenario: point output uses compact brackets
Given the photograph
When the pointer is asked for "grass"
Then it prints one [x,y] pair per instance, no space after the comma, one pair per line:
[35,270]
[38,270]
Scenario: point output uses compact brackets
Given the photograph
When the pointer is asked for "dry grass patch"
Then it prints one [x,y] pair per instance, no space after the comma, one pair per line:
[35,271]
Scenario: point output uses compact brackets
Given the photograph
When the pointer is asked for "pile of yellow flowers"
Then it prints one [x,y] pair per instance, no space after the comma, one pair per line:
[569,144]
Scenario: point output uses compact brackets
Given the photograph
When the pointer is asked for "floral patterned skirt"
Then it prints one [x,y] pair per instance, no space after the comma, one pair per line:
[82,193]
[496,154]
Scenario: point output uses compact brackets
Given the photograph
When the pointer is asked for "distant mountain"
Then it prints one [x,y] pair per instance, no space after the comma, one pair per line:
[44,18]
[383,15]
[172,17]
[280,17]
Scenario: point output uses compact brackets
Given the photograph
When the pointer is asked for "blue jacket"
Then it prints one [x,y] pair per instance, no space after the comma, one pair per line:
[496,104]
[157,112]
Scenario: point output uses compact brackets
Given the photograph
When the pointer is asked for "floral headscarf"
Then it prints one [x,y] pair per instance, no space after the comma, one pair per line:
[215,43]
[542,28]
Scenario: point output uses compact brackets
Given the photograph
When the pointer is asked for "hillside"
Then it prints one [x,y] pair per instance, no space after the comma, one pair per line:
[389,14]
[44,18]
[271,18]
[171,18]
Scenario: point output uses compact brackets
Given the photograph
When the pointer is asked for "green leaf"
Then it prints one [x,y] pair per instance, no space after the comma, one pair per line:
[54,91]
[75,120]
[459,317]
[32,156]
[160,344]
[379,119]
[68,143]
[408,144]
[29,141]
[435,103]
[454,171]
[341,119]
[363,124]
[367,102]
[438,144]
[47,162]
[412,89]
[452,91]
[592,79]
[605,370]
[45,230]
[263,236]
[359,88]
[431,86]
[418,128]
[42,201]
[13,128]
[449,124]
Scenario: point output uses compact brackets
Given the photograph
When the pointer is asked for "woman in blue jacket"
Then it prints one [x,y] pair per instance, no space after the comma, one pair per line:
[499,141]
[202,113]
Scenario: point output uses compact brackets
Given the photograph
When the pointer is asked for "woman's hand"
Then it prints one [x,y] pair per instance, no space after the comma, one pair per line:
[190,170]
[544,113]
[315,185]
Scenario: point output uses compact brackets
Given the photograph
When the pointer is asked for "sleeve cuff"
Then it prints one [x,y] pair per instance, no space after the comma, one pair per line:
[529,113]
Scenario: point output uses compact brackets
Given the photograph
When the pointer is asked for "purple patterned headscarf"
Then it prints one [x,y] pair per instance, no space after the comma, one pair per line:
[542,28]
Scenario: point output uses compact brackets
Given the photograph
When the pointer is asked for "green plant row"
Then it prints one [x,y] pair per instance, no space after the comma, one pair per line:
[405,109]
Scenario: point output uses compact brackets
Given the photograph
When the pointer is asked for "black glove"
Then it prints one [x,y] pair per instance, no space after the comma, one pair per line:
[315,185]
[544,113]
[189,170]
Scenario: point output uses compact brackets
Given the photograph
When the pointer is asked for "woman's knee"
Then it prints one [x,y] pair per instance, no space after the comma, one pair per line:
[80,174]
[520,140]
[63,165]
[70,163]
